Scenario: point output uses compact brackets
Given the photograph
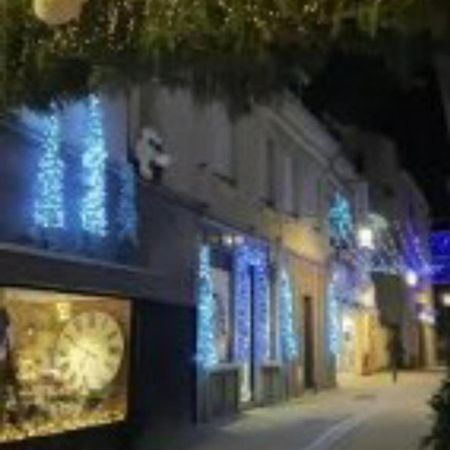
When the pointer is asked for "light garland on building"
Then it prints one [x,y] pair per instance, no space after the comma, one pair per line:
[333,319]
[440,251]
[242,306]
[416,252]
[127,215]
[340,221]
[289,342]
[261,303]
[49,212]
[387,257]
[250,257]
[94,218]
[206,346]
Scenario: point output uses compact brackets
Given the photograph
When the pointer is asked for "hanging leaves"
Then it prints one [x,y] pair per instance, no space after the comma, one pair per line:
[233,48]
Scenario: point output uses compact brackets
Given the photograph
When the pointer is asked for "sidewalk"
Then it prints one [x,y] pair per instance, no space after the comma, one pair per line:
[316,420]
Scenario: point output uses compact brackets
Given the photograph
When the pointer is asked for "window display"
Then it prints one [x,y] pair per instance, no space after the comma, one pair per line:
[63,362]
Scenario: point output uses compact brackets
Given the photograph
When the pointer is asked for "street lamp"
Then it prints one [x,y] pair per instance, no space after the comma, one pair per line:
[411,278]
[365,238]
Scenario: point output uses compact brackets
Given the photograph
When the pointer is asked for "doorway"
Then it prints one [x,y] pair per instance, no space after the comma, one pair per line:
[308,327]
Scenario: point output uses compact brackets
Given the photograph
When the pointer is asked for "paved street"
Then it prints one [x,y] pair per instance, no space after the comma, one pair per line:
[372,414]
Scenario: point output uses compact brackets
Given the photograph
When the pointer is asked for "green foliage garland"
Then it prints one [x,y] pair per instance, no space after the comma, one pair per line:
[237,49]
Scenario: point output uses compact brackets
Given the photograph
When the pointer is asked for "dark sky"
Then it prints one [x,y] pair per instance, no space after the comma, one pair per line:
[364,92]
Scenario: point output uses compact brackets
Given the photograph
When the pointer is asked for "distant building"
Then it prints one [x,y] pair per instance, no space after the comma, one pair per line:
[401,262]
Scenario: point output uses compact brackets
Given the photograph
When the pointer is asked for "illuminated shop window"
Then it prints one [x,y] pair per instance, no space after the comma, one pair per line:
[63,362]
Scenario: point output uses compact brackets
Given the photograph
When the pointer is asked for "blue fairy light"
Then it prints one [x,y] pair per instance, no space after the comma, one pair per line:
[333,319]
[94,159]
[440,256]
[289,343]
[251,267]
[207,356]
[340,220]
[261,302]
[242,304]
[49,200]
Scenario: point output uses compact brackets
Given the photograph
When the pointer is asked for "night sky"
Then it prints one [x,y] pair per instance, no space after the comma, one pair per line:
[363,91]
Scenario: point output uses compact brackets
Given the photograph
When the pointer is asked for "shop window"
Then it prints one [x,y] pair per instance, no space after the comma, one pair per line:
[63,362]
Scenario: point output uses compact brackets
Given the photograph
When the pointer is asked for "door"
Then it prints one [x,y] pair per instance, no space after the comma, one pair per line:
[308,326]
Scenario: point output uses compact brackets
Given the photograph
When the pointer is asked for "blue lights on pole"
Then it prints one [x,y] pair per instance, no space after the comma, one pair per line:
[49,212]
[251,284]
[94,219]
[242,305]
[261,293]
[207,356]
[289,342]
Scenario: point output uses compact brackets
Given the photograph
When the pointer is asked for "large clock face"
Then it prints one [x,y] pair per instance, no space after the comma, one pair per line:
[89,351]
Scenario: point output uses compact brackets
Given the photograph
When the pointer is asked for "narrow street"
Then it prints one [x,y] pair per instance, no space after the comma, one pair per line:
[373,414]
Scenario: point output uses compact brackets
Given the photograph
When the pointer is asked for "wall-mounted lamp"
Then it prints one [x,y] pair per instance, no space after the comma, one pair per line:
[411,278]
[446,300]
[365,238]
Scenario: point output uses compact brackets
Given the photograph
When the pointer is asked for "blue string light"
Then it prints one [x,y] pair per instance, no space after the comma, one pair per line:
[49,201]
[250,257]
[340,220]
[93,205]
[289,343]
[127,215]
[333,318]
[207,356]
[261,303]
[242,305]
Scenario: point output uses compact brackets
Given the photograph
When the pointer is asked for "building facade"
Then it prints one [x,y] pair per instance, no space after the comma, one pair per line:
[212,265]
[400,258]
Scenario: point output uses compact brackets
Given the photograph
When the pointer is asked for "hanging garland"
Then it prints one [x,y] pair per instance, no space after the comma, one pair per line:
[53,49]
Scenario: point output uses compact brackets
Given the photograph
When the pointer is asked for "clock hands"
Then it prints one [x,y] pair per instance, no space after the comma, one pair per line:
[90,351]
[81,347]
